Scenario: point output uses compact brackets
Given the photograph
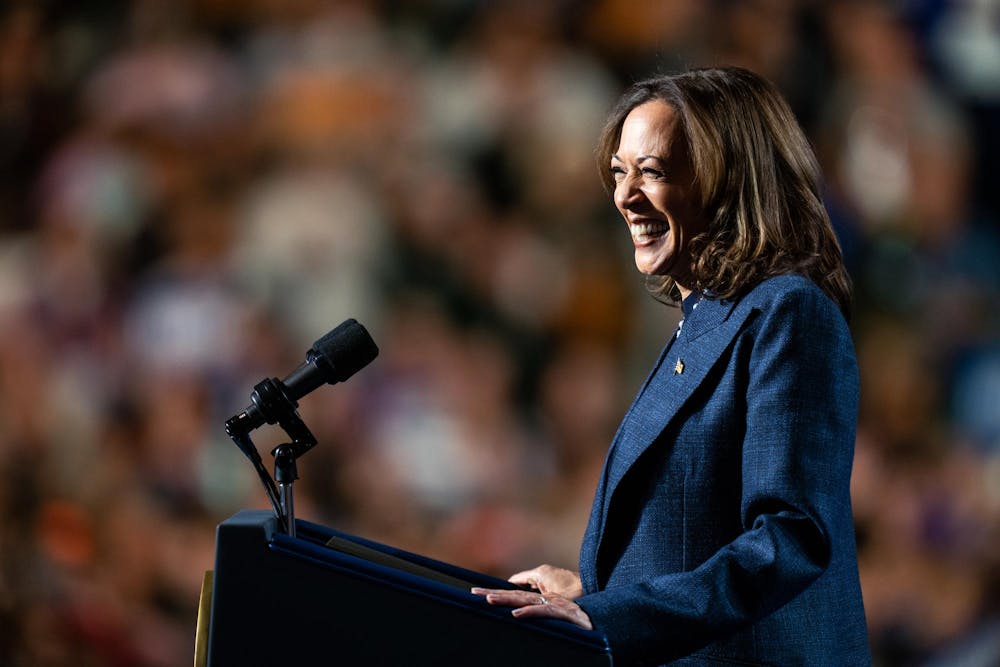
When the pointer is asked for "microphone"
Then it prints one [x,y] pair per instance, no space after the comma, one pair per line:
[333,358]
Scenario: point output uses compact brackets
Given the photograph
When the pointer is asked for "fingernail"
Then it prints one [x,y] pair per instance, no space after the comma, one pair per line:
[476,590]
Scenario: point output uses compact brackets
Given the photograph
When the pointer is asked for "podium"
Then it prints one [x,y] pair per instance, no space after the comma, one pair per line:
[328,598]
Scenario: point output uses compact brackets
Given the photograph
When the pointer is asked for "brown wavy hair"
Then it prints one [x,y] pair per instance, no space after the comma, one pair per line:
[757,178]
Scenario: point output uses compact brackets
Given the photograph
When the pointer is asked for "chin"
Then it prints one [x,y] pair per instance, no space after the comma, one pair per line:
[656,259]
[659,267]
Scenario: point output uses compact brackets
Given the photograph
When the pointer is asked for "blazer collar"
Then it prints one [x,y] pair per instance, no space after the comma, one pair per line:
[706,314]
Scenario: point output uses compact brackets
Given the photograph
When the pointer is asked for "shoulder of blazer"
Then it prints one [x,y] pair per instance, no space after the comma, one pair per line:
[784,292]
[779,288]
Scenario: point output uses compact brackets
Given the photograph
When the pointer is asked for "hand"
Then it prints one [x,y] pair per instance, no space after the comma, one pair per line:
[550,581]
[557,588]
[529,604]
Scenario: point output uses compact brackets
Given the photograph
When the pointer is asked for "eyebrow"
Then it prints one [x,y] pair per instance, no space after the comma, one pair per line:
[641,158]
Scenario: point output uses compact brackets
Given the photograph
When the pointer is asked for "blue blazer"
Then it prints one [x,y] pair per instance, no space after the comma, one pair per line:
[721,531]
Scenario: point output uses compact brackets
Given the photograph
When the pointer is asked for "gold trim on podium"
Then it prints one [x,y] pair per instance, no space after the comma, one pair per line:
[204,613]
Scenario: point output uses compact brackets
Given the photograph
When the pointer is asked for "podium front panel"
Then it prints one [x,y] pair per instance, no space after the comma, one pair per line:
[278,600]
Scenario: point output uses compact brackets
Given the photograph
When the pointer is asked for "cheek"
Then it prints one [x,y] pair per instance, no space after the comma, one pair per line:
[666,199]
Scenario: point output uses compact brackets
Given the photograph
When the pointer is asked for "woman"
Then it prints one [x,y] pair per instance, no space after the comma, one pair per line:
[721,530]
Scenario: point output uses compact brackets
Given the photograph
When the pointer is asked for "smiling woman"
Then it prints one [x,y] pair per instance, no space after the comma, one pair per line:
[734,150]
[721,530]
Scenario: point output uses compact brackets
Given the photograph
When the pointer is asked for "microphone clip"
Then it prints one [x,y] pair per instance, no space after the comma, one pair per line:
[276,407]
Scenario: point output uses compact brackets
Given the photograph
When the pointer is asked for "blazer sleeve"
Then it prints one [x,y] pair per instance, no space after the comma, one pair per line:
[801,397]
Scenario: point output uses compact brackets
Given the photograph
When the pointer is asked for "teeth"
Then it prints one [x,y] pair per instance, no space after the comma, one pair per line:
[644,230]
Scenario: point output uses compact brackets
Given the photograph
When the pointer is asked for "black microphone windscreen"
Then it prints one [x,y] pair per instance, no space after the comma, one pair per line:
[345,350]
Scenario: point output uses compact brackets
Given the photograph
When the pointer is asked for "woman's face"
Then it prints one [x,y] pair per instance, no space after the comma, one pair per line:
[654,190]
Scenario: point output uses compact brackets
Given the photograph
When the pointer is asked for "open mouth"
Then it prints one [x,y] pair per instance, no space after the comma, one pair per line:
[647,231]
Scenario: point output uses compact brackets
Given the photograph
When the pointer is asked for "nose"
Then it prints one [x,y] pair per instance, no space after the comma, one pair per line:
[627,193]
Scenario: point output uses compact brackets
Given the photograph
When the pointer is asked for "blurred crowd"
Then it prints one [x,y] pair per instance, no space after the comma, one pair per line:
[192,192]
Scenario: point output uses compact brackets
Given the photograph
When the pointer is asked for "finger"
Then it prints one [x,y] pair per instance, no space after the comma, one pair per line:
[487,592]
[503,592]
[512,598]
[516,598]
[540,611]
[572,613]
[526,578]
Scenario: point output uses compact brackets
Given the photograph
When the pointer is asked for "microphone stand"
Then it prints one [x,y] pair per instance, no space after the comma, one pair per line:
[277,408]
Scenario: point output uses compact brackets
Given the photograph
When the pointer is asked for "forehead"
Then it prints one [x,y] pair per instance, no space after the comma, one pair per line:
[650,129]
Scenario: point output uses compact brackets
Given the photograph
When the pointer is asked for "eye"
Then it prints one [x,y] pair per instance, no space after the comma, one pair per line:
[653,173]
[617,172]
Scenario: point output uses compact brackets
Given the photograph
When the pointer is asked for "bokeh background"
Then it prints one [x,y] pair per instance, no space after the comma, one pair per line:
[193,191]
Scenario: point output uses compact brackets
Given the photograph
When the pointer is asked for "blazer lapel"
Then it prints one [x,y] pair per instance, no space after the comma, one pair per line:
[683,367]
[595,525]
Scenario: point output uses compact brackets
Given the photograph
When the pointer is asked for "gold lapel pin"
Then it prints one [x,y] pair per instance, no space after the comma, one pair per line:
[679,366]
